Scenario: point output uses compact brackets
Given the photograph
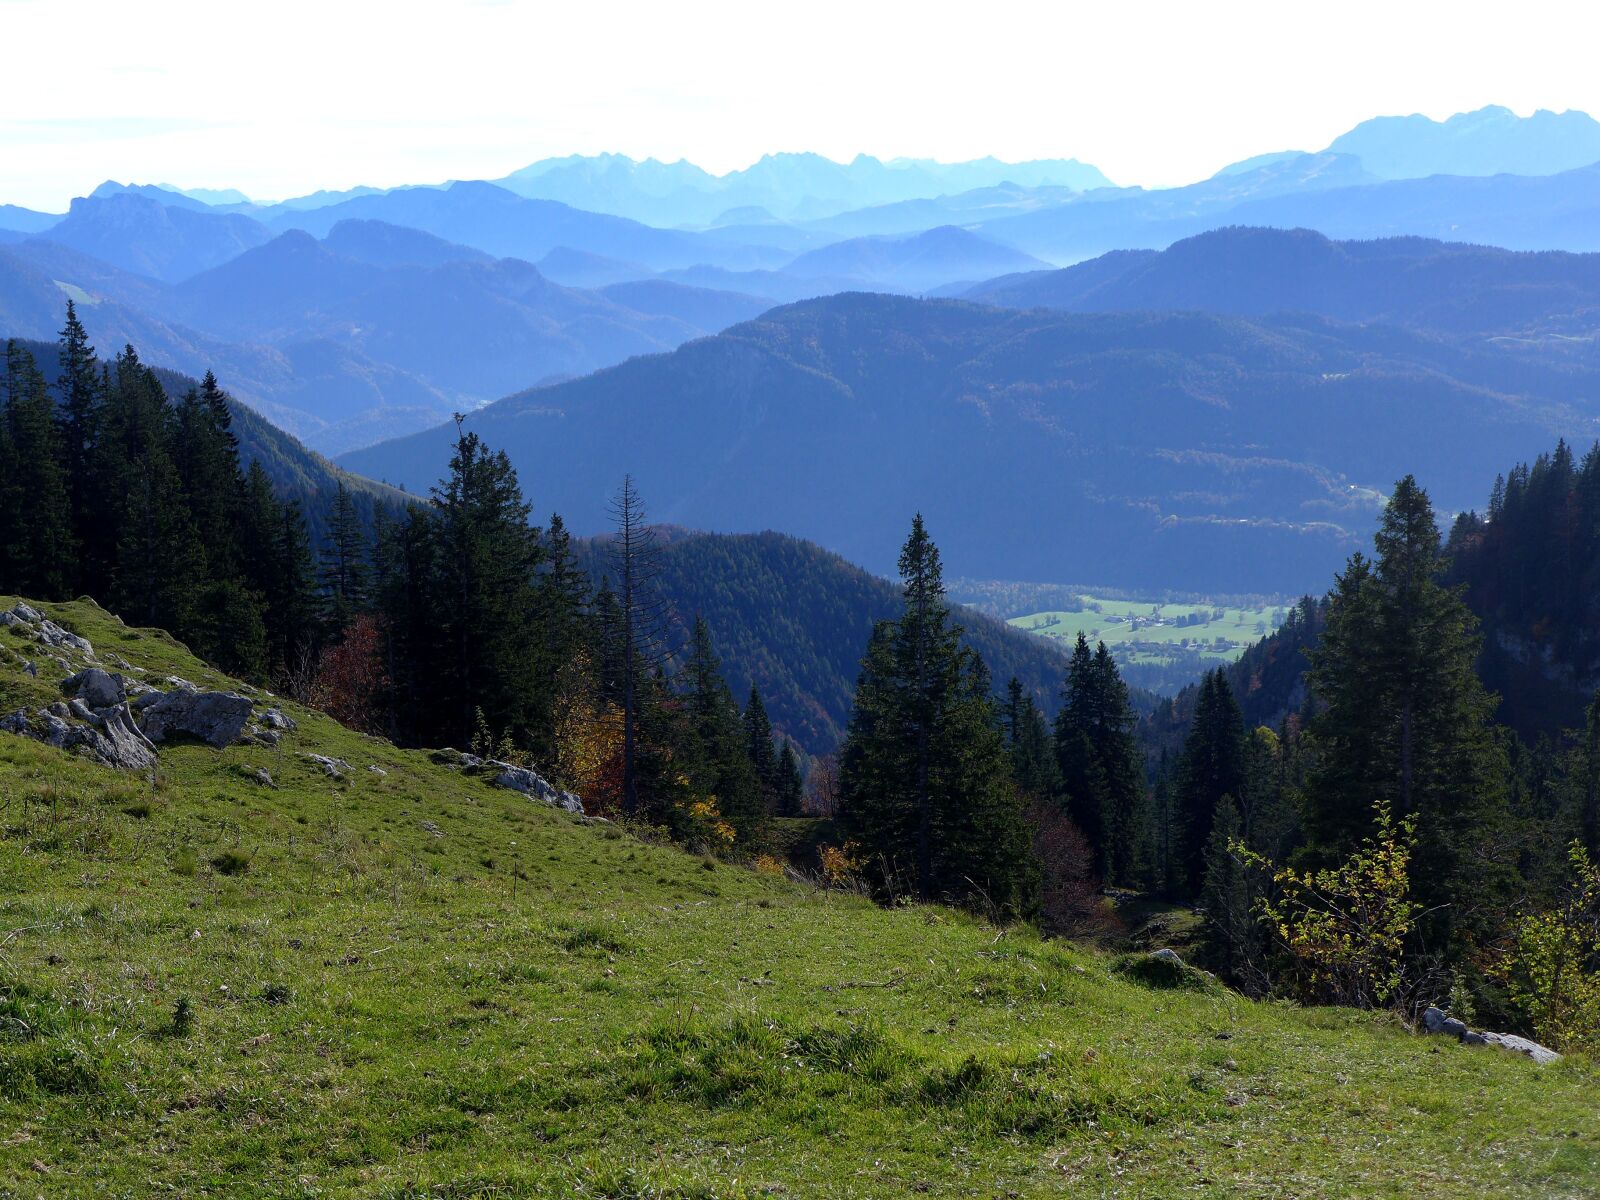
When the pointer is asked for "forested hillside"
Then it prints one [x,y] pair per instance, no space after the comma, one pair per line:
[791,619]
[1136,449]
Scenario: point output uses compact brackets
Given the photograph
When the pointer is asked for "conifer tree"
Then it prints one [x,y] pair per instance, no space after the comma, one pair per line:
[1232,931]
[723,766]
[80,385]
[925,780]
[791,788]
[1213,767]
[482,598]
[758,746]
[635,557]
[343,573]
[1033,758]
[1098,755]
[38,521]
[1406,722]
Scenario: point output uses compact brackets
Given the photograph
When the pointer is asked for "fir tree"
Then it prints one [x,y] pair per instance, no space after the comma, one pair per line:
[1213,767]
[791,786]
[343,573]
[482,596]
[80,385]
[758,746]
[1407,722]
[1232,931]
[1098,755]
[38,525]
[723,768]
[925,781]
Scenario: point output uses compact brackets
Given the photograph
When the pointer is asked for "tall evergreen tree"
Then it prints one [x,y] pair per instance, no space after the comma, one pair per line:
[1213,768]
[482,598]
[925,784]
[81,389]
[721,761]
[343,572]
[38,525]
[1098,755]
[758,746]
[635,557]
[791,788]
[1406,721]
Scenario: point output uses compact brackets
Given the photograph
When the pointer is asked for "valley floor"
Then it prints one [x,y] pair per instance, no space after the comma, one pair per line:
[410,984]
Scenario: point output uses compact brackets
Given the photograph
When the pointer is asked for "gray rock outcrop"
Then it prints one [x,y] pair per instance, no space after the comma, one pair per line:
[43,630]
[1436,1020]
[216,718]
[95,687]
[535,786]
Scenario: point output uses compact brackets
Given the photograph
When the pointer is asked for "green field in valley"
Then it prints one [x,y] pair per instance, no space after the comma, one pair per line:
[1159,645]
[404,983]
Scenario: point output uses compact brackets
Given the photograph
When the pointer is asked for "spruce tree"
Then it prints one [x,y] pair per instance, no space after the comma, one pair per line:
[758,746]
[343,572]
[791,787]
[482,596]
[1213,766]
[1406,721]
[1098,755]
[81,390]
[1232,931]
[38,526]
[722,767]
[925,779]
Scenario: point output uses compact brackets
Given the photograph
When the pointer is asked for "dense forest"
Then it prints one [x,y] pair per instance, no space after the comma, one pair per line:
[1343,805]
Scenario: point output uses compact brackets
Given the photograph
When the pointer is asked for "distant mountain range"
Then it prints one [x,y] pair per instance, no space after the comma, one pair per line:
[374,331]
[1490,141]
[779,187]
[1133,449]
[1411,282]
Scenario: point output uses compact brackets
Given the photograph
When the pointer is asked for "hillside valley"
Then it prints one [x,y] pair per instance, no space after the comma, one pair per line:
[1135,449]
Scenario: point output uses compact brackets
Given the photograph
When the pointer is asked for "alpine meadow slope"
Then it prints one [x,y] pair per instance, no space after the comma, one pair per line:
[407,981]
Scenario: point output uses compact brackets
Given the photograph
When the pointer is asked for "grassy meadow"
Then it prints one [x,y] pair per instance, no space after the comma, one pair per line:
[407,984]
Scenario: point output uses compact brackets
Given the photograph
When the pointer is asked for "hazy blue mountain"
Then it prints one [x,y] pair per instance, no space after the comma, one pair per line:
[494,220]
[777,187]
[579,268]
[473,329]
[385,245]
[1550,212]
[166,241]
[1328,193]
[1130,449]
[705,308]
[159,192]
[910,264]
[1412,282]
[779,287]
[374,332]
[1490,141]
[962,208]
[15,219]
[1257,161]
[1133,218]
[321,199]
[314,388]
[215,197]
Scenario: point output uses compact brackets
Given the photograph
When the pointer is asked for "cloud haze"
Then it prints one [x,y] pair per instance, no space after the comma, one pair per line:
[294,96]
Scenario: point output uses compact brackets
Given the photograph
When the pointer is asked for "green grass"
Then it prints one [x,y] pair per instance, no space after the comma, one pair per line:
[524,1004]
[1141,632]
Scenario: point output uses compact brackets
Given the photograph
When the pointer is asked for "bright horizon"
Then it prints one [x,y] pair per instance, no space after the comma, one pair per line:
[332,96]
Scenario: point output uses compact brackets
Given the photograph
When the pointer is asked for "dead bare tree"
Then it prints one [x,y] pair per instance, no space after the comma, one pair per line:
[641,619]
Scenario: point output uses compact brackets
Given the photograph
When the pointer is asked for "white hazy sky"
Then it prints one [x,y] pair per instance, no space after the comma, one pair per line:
[282,98]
